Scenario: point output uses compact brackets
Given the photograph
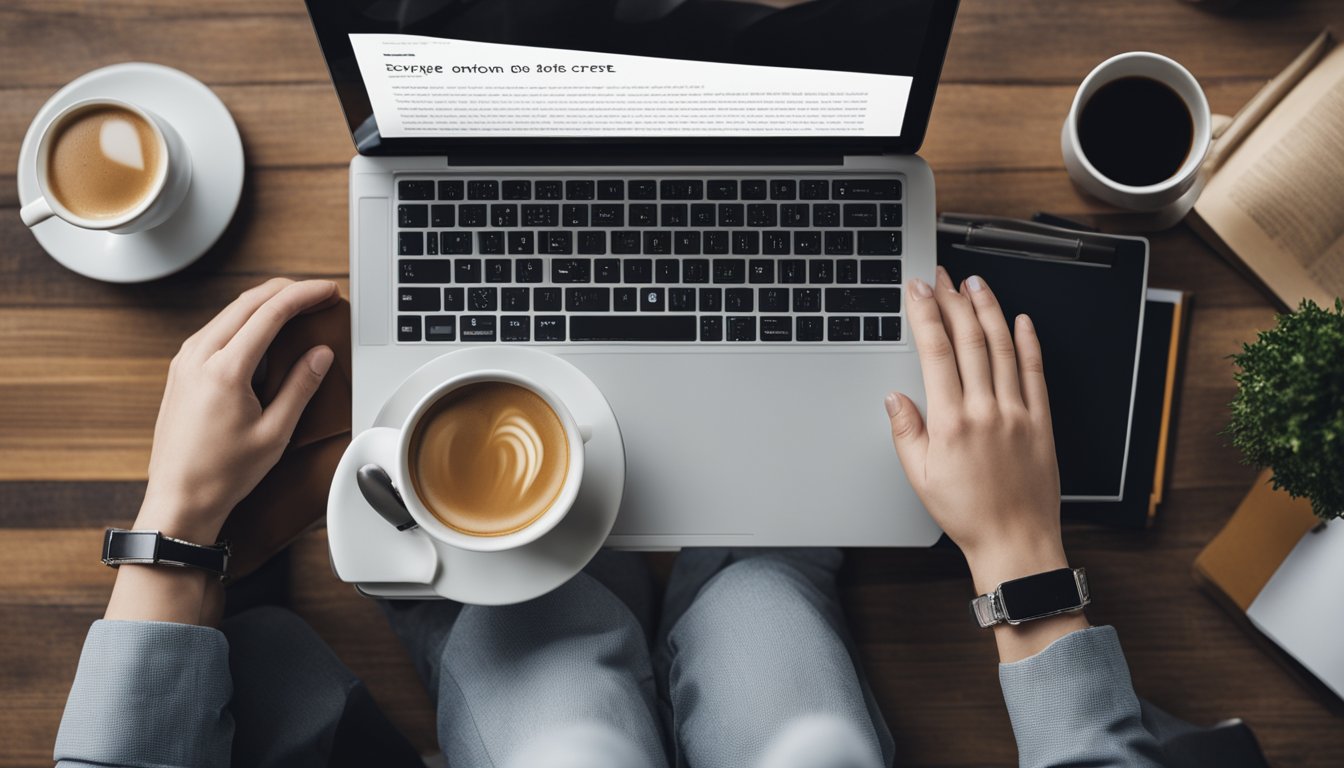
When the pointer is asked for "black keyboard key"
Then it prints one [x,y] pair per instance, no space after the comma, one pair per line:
[839,243]
[412,216]
[418,299]
[625,299]
[878,271]
[716,243]
[478,328]
[682,189]
[806,299]
[431,244]
[721,189]
[657,243]
[513,299]
[776,329]
[550,328]
[695,270]
[639,270]
[498,271]
[774,299]
[624,242]
[681,299]
[580,190]
[810,328]
[411,243]
[415,190]
[408,326]
[522,243]
[516,189]
[867,189]
[866,300]
[814,189]
[442,216]
[821,271]
[761,270]
[889,214]
[846,271]
[762,215]
[792,271]
[632,328]
[793,215]
[487,189]
[711,328]
[741,329]
[732,214]
[571,270]
[702,214]
[686,243]
[738,299]
[451,190]
[754,189]
[611,189]
[541,214]
[548,190]
[489,243]
[515,328]
[471,215]
[826,215]
[440,328]
[843,329]
[454,243]
[746,243]
[872,329]
[891,328]
[711,299]
[652,300]
[482,299]
[558,243]
[667,271]
[643,190]
[587,299]
[607,271]
[778,243]
[529,270]
[675,215]
[454,299]
[730,270]
[592,243]
[860,215]
[783,189]
[574,215]
[881,243]
[504,215]
[424,271]
[607,215]
[546,299]
[643,215]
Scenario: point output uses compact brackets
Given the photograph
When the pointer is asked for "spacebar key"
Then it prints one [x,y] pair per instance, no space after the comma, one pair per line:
[627,328]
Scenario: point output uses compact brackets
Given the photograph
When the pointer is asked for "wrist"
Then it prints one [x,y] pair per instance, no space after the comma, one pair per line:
[179,518]
[1008,560]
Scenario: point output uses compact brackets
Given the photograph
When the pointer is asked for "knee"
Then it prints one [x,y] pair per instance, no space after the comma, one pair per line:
[819,741]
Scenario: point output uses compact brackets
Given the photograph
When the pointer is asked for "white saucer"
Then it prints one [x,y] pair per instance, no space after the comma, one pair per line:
[216,149]
[385,562]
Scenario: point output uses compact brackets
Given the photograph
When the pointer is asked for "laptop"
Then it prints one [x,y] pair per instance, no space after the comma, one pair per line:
[710,207]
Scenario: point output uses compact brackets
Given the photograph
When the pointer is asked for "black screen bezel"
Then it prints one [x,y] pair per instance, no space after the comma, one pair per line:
[353,96]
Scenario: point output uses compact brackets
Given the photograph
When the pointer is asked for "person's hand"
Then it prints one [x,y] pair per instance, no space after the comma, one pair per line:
[984,460]
[213,441]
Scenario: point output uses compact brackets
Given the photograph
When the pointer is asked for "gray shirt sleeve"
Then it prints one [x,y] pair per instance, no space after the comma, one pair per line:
[149,693]
[1073,704]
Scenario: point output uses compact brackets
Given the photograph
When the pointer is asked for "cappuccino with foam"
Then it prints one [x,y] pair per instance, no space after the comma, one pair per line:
[104,162]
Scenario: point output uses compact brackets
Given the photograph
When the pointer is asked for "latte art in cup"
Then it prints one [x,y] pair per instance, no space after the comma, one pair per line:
[489,458]
[104,162]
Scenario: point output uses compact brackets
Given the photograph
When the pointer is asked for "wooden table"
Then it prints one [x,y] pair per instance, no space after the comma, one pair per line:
[83,363]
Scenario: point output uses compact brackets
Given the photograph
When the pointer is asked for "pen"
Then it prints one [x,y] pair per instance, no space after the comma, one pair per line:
[991,237]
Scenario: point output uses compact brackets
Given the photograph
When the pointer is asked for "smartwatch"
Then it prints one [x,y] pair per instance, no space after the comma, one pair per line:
[1033,597]
[153,548]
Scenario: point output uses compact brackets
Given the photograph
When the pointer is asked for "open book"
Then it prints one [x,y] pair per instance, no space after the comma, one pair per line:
[1274,202]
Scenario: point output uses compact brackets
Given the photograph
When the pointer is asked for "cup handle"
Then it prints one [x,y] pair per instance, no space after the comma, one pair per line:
[36,212]
[374,450]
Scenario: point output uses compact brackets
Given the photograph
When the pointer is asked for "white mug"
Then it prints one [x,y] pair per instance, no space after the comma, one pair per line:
[167,193]
[1177,190]
[389,448]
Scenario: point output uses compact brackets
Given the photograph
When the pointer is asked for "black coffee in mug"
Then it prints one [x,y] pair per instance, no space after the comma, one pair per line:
[1136,131]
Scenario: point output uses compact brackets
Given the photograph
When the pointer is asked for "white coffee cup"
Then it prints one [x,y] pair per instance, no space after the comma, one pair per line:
[1176,190]
[166,193]
[390,447]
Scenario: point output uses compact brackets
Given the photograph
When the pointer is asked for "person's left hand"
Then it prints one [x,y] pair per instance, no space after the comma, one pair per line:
[213,441]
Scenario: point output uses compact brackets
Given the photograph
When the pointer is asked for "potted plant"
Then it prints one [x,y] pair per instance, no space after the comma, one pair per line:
[1288,413]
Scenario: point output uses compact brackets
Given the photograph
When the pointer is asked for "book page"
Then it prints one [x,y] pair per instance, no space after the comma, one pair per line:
[1278,202]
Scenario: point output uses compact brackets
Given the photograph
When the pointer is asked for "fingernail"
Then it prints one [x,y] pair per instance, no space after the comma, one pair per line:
[321,360]
[945,280]
[893,404]
[920,289]
[975,283]
[1026,322]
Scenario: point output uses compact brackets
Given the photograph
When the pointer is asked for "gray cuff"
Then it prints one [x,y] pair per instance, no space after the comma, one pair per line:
[1073,704]
[149,693]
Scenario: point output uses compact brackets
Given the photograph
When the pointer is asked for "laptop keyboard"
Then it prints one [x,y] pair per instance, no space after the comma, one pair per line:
[806,259]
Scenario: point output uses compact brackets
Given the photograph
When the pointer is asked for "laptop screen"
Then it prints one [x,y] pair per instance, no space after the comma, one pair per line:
[424,71]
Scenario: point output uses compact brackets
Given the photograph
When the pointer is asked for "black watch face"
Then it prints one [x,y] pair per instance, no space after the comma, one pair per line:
[1040,595]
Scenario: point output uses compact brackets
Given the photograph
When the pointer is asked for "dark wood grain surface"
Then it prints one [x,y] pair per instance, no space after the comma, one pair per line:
[83,364]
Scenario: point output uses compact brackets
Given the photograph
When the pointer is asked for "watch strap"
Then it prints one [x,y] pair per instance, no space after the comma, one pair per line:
[988,609]
[153,548]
